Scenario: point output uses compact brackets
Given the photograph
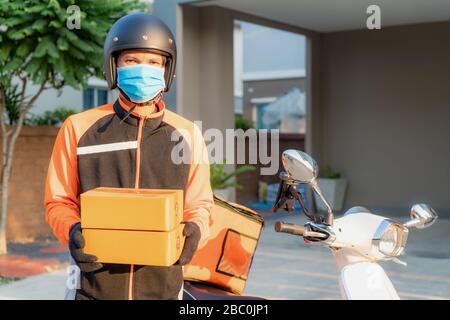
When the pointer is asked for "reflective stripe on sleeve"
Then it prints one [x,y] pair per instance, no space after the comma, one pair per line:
[107,147]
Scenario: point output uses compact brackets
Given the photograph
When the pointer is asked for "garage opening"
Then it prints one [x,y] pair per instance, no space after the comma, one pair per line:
[269,93]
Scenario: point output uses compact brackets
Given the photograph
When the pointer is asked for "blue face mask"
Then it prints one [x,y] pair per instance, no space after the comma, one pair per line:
[141,82]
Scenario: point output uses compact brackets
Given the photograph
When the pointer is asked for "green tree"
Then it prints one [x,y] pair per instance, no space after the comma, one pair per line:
[50,43]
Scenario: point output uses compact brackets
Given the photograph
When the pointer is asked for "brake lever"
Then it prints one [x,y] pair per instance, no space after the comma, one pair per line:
[298,196]
[398,261]
[287,195]
[319,232]
[313,235]
[285,198]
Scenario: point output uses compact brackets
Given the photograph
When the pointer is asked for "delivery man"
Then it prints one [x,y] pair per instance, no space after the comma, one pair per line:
[128,144]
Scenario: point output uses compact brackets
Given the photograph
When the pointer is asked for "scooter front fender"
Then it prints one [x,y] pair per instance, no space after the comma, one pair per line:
[366,281]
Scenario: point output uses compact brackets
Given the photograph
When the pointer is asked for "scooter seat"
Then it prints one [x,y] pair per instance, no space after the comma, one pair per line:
[202,291]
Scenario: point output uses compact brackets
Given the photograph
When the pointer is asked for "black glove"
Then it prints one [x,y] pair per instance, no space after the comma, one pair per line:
[192,233]
[86,262]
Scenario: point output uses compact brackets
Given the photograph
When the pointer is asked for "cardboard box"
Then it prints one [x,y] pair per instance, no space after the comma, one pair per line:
[133,226]
[135,247]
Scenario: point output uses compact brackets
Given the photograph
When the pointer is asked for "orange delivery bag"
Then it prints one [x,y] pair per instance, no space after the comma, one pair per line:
[224,260]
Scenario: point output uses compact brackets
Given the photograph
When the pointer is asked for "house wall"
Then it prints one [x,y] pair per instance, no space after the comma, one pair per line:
[267,49]
[50,99]
[26,220]
[68,97]
[267,88]
[386,111]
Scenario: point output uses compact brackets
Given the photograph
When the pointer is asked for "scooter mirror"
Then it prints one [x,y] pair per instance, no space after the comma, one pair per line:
[299,166]
[422,216]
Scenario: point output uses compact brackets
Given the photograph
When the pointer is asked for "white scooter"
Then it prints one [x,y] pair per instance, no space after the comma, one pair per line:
[358,240]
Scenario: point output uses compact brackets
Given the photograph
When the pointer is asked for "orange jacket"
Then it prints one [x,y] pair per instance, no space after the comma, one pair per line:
[94,148]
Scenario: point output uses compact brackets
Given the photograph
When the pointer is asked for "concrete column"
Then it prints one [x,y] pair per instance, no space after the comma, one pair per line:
[205,90]
[206,66]
[314,113]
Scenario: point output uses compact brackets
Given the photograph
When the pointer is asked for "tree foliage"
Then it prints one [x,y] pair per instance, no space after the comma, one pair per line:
[36,44]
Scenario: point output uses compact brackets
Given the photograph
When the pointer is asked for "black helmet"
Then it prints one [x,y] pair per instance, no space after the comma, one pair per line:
[139,31]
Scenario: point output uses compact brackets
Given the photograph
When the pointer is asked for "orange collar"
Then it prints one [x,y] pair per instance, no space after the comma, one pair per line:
[142,112]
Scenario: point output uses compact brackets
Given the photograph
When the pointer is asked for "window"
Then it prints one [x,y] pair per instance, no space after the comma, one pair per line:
[102,96]
[94,96]
[258,106]
[88,98]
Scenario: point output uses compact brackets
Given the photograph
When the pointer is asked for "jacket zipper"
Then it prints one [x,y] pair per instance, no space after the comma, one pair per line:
[136,186]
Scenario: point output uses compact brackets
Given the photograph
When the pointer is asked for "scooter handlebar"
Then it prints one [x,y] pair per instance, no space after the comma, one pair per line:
[289,228]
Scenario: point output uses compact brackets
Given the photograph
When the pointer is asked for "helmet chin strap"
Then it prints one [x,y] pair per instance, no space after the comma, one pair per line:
[157,98]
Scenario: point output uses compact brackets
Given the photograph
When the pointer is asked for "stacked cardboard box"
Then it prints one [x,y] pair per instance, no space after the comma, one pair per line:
[133,226]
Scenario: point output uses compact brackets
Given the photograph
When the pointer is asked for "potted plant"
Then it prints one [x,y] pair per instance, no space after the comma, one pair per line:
[222,182]
[240,122]
[333,187]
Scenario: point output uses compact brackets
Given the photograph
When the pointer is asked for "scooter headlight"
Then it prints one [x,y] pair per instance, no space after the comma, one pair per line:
[390,238]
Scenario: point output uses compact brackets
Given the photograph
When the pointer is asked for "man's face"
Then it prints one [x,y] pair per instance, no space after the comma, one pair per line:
[132,57]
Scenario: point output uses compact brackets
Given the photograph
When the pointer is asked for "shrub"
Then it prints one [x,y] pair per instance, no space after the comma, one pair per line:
[50,118]
[331,174]
[240,122]
[222,180]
